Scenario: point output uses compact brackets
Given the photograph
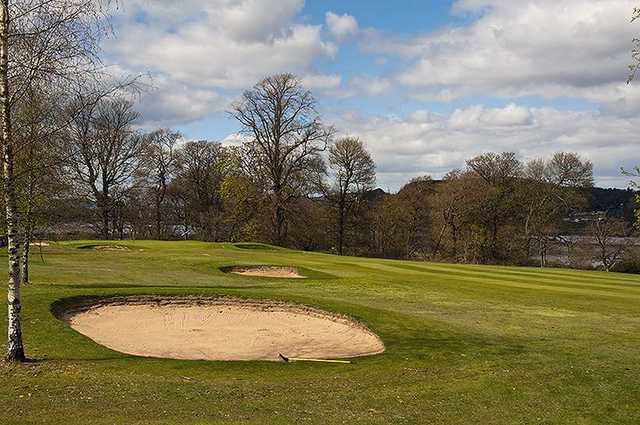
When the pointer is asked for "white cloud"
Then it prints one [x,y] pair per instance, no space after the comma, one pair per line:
[479,116]
[428,143]
[321,81]
[546,48]
[370,86]
[341,26]
[202,49]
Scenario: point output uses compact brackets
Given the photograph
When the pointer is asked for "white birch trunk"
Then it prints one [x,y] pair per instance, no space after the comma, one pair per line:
[15,349]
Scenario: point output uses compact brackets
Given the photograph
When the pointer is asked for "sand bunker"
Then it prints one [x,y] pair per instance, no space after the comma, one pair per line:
[221,329]
[39,243]
[110,248]
[265,271]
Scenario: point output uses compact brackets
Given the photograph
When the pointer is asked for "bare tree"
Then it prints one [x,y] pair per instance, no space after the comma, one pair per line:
[499,174]
[551,189]
[450,205]
[355,173]
[105,153]
[158,167]
[611,236]
[280,118]
[200,171]
[635,53]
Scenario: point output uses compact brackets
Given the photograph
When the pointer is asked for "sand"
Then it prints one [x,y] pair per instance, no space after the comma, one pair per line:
[39,243]
[110,248]
[222,329]
[267,271]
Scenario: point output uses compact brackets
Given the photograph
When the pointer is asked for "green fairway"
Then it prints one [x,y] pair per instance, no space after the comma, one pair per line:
[464,344]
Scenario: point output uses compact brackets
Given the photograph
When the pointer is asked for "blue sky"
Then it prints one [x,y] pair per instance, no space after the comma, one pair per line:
[425,84]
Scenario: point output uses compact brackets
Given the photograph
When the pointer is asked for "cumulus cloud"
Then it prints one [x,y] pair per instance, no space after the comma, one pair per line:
[341,26]
[543,48]
[427,143]
[322,82]
[202,49]
[480,116]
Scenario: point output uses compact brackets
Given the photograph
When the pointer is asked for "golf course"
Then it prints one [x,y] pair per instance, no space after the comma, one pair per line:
[463,344]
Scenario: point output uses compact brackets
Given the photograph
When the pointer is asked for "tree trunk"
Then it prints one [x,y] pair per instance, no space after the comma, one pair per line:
[279,220]
[15,348]
[158,220]
[106,234]
[341,214]
[454,242]
[28,217]
[24,275]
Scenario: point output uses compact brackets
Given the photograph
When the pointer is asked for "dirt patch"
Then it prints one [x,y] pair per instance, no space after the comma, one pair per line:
[265,271]
[221,329]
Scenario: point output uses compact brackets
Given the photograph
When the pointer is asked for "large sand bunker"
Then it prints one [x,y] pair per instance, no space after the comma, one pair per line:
[221,329]
[265,271]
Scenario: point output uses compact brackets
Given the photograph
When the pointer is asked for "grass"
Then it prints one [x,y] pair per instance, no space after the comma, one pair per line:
[465,344]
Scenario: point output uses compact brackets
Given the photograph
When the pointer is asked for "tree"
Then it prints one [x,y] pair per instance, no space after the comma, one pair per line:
[15,348]
[157,169]
[635,53]
[355,173]
[286,135]
[551,189]
[200,171]
[416,199]
[451,204]
[38,173]
[44,43]
[611,236]
[105,154]
[498,175]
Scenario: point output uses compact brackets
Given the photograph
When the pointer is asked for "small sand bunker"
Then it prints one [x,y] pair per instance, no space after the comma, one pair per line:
[221,329]
[110,248]
[266,271]
[39,243]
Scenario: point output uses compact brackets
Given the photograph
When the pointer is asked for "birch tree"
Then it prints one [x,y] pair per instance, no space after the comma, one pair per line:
[15,348]
[49,43]
[286,135]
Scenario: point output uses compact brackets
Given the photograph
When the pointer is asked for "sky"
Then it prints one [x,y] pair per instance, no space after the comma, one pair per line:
[424,84]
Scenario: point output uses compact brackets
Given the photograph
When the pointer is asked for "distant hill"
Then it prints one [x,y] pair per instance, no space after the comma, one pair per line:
[616,202]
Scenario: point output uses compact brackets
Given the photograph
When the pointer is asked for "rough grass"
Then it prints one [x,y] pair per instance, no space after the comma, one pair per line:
[465,344]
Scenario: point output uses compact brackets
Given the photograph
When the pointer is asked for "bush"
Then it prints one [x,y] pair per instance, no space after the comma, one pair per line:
[630,263]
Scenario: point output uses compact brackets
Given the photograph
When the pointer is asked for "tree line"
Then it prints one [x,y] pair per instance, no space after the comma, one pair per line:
[291,182]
